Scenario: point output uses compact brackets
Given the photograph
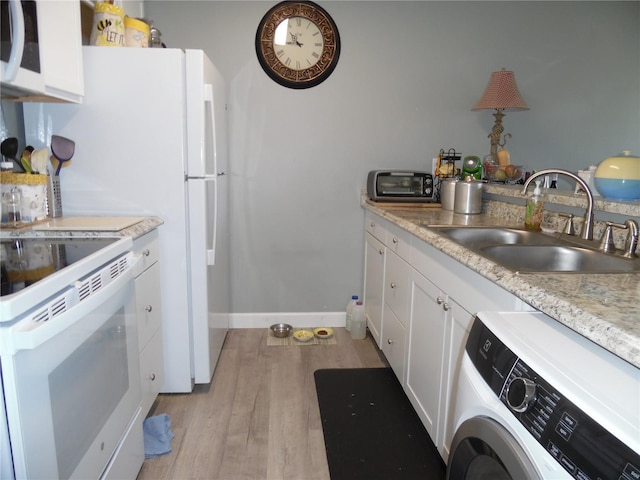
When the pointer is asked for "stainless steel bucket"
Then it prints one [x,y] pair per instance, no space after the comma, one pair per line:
[468,196]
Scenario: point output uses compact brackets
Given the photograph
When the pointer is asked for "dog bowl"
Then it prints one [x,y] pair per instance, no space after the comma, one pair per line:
[281,330]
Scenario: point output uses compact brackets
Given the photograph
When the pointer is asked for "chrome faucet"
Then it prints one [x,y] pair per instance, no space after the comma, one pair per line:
[587,228]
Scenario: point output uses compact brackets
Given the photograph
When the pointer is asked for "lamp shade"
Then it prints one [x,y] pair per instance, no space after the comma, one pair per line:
[501,93]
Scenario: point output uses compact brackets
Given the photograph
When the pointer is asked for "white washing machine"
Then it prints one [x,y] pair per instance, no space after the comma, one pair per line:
[536,400]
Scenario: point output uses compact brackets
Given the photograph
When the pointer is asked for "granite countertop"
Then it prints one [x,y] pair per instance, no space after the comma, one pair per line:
[134,231]
[603,308]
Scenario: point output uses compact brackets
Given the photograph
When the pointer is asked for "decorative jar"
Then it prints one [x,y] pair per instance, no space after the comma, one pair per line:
[618,177]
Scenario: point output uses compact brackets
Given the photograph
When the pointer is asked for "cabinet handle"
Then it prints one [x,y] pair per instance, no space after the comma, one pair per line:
[392,285]
[395,240]
[152,377]
[148,308]
[381,251]
[372,224]
[439,300]
[446,307]
[390,342]
[146,252]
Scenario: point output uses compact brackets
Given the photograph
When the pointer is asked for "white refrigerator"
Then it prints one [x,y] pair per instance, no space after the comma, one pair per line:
[151,139]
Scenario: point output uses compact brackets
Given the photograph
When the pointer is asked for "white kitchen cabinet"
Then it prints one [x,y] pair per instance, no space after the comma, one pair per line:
[149,313]
[60,41]
[438,328]
[374,285]
[426,350]
[428,302]
[394,343]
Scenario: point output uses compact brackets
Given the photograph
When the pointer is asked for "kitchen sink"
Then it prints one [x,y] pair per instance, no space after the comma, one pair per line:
[558,258]
[524,251]
[477,237]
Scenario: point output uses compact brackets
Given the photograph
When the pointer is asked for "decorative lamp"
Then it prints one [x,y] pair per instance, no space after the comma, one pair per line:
[501,94]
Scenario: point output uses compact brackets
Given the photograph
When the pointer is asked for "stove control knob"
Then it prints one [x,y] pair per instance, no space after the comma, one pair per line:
[521,393]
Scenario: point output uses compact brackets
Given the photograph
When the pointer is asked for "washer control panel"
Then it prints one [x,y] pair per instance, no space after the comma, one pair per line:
[583,447]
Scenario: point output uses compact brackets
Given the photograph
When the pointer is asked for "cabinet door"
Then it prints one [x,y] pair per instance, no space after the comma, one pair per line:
[374,285]
[459,324]
[426,351]
[148,304]
[396,288]
[61,49]
[394,343]
[151,371]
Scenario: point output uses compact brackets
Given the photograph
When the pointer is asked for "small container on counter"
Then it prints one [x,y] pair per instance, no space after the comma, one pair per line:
[468,196]
[448,192]
[136,33]
[23,198]
[535,209]
[108,25]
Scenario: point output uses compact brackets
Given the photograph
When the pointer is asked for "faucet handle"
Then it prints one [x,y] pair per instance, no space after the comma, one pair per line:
[607,245]
[569,229]
[632,239]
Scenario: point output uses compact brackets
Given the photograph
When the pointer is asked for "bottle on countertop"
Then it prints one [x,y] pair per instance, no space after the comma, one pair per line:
[350,305]
[358,322]
[535,209]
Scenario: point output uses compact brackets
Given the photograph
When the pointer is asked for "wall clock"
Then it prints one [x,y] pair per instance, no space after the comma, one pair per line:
[298,44]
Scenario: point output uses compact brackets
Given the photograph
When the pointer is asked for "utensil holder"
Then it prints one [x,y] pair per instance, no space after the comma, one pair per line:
[54,197]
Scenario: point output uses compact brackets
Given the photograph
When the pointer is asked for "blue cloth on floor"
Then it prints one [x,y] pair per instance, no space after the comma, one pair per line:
[157,435]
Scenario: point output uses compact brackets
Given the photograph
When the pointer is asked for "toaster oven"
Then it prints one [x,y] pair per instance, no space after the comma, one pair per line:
[400,186]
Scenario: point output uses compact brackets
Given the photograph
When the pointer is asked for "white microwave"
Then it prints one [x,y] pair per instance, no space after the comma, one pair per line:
[20,48]
[41,50]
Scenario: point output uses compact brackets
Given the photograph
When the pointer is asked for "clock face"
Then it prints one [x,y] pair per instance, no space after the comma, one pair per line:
[297,44]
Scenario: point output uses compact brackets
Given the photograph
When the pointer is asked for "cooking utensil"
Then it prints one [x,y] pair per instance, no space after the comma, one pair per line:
[39,160]
[25,160]
[62,149]
[9,149]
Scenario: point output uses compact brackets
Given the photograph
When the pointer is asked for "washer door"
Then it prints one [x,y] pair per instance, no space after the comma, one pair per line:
[484,449]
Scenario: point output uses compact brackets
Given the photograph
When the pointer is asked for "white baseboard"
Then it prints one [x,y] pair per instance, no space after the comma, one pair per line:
[297,320]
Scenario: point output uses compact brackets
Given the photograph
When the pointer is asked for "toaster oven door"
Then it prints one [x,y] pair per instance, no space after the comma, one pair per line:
[404,187]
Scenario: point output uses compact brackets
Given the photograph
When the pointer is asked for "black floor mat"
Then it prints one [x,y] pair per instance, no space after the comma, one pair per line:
[371,431]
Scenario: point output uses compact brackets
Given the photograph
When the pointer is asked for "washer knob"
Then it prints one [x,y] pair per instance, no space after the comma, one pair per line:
[521,393]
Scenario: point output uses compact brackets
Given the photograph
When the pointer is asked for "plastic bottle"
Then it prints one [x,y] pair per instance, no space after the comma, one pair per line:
[358,322]
[350,305]
[535,209]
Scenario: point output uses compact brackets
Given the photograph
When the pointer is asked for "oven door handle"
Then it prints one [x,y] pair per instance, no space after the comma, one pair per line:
[28,334]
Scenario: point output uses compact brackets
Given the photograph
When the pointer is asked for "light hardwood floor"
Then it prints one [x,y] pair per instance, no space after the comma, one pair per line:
[259,417]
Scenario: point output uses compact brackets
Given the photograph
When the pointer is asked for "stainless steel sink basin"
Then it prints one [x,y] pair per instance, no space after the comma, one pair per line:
[524,251]
[557,258]
[477,237]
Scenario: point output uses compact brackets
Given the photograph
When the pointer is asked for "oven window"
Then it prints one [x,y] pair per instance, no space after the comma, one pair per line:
[85,390]
[401,185]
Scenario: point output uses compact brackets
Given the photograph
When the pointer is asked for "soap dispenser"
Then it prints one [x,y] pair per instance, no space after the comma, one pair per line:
[535,209]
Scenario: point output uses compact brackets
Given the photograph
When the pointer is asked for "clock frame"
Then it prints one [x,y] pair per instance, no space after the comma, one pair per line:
[302,52]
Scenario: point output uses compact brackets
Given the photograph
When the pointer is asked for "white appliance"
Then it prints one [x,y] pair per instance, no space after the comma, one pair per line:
[69,360]
[151,139]
[536,400]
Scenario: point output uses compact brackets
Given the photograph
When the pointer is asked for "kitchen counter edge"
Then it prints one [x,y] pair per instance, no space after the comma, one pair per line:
[135,231]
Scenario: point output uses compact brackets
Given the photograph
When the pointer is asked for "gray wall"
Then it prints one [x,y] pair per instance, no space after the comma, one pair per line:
[408,75]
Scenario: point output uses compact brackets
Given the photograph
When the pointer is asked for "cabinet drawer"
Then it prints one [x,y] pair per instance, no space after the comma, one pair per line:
[394,344]
[151,371]
[396,289]
[148,248]
[376,226]
[399,241]
[148,307]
